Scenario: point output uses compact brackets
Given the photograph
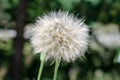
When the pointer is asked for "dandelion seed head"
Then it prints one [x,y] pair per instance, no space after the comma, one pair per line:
[60,35]
[108,35]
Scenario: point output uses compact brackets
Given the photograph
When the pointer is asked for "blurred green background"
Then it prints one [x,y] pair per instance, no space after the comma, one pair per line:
[102,60]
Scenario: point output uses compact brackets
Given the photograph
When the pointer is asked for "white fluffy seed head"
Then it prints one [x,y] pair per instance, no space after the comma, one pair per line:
[108,35]
[60,35]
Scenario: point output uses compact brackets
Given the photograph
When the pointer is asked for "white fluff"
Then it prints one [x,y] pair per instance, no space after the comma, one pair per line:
[108,35]
[60,35]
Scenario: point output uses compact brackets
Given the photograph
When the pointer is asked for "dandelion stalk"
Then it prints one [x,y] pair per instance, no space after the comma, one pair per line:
[57,63]
[42,59]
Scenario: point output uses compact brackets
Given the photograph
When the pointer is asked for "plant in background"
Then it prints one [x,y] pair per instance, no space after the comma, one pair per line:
[59,36]
[107,35]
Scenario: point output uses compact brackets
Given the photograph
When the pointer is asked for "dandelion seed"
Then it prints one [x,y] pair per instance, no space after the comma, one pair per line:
[60,35]
[108,35]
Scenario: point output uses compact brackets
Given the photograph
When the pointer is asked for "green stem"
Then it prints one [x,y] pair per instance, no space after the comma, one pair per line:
[40,70]
[57,63]
[42,59]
